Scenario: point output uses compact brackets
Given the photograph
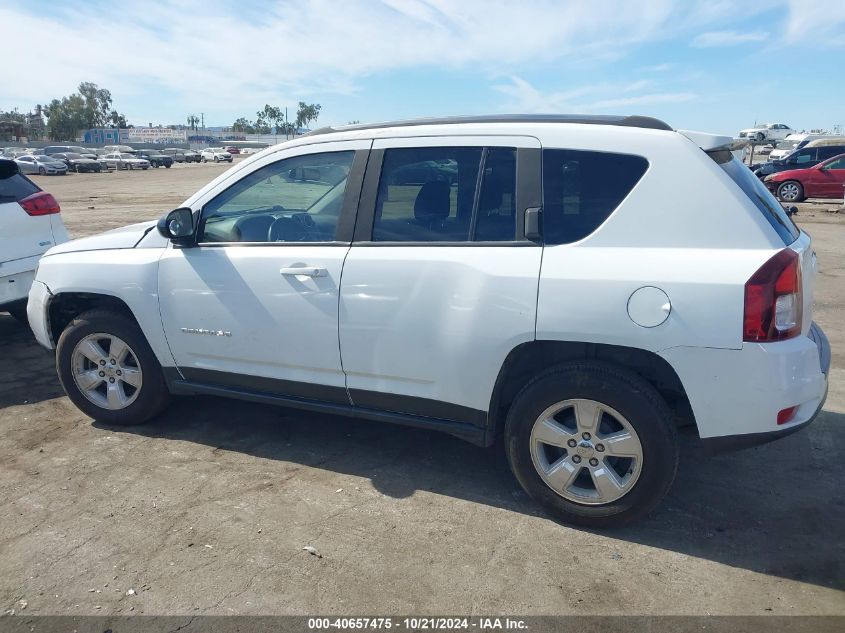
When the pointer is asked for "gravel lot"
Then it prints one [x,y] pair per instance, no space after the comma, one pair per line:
[207,509]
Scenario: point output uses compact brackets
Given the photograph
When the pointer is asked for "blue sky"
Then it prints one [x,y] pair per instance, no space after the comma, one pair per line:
[717,65]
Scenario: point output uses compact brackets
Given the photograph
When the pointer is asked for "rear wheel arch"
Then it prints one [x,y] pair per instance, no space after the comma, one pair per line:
[528,360]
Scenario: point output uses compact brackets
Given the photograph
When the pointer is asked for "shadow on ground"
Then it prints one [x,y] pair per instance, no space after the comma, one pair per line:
[776,509]
[27,370]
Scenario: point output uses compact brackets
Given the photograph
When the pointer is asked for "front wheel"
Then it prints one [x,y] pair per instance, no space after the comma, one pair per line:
[168,166]
[593,444]
[42,171]
[109,371]
[760,136]
[791,191]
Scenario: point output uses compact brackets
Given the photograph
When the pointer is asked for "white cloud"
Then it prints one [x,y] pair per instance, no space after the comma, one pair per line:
[728,38]
[213,53]
[817,22]
[524,97]
[158,57]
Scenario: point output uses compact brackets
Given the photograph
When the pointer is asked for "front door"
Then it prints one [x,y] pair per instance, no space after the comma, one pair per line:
[254,304]
[831,179]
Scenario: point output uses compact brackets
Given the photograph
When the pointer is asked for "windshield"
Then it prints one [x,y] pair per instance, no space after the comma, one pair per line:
[126,156]
[42,158]
[758,194]
[72,155]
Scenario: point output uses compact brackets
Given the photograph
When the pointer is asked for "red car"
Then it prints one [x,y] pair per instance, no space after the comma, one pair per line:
[232,150]
[825,180]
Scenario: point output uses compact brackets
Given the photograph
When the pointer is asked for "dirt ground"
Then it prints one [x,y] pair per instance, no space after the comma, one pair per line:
[207,510]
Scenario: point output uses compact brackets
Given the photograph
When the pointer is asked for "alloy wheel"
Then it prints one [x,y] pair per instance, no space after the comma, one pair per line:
[107,371]
[586,451]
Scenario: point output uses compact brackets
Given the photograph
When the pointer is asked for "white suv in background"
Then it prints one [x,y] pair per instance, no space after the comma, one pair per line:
[29,225]
[577,285]
[216,154]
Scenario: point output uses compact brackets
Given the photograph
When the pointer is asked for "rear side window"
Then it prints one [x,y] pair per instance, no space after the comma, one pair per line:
[758,194]
[581,189]
[447,194]
[15,187]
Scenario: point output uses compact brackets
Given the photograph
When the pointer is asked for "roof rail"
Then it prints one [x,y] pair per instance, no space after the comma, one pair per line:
[590,119]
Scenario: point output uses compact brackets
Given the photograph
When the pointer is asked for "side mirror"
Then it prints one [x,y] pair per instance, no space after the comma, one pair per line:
[178,225]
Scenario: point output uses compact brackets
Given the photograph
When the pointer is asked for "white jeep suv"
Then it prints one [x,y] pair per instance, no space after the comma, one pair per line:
[579,286]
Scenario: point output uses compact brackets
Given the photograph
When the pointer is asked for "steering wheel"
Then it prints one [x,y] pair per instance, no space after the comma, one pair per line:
[289,229]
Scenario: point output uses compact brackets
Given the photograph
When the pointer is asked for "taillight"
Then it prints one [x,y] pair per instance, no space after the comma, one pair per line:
[773,301]
[41,203]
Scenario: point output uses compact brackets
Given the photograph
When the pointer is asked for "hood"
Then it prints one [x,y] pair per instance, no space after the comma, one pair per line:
[788,174]
[124,237]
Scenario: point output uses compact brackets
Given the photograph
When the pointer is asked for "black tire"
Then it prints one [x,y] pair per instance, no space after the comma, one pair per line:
[203,159]
[800,191]
[153,396]
[18,311]
[633,398]
[760,137]
[168,166]
[42,171]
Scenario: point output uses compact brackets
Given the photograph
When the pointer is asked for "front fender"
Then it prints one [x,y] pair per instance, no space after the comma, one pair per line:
[129,275]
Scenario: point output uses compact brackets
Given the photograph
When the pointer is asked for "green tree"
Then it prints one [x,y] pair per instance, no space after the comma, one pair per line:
[243,125]
[117,120]
[274,116]
[306,113]
[98,104]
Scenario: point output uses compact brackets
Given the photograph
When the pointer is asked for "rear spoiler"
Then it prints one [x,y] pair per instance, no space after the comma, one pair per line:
[713,142]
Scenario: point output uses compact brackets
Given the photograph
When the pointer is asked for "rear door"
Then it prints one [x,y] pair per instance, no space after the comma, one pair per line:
[440,282]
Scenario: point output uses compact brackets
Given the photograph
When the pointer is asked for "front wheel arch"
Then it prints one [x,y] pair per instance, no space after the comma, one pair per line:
[65,306]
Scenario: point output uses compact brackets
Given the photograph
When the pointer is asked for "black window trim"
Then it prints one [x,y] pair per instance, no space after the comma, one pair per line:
[348,212]
[528,194]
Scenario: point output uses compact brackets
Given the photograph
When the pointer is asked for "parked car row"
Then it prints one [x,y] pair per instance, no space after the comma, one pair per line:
[80,159]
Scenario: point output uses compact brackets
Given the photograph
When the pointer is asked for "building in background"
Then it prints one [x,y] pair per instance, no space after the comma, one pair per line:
[129,135]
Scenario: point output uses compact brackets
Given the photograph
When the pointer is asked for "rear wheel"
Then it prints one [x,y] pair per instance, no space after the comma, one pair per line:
[108,370]
[760,136]
[42,171]
[791,191]
[167,166]
[593,444]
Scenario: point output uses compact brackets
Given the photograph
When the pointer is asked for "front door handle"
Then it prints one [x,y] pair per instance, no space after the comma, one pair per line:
[305,271]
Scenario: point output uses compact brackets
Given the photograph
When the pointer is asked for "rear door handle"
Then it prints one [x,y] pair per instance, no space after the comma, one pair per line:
[305,271]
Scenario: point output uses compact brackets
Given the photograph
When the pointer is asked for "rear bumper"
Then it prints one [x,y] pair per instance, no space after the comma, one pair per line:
[16,278]
[736,395]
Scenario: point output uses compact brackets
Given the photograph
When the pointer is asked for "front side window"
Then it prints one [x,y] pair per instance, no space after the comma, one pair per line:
[836,164]
[298,199]
[446,194]
[581,189]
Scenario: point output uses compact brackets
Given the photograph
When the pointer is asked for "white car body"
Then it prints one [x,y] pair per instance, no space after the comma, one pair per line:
[122,160]
[216,155]
[767,132]
[430,330]
[24,238]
